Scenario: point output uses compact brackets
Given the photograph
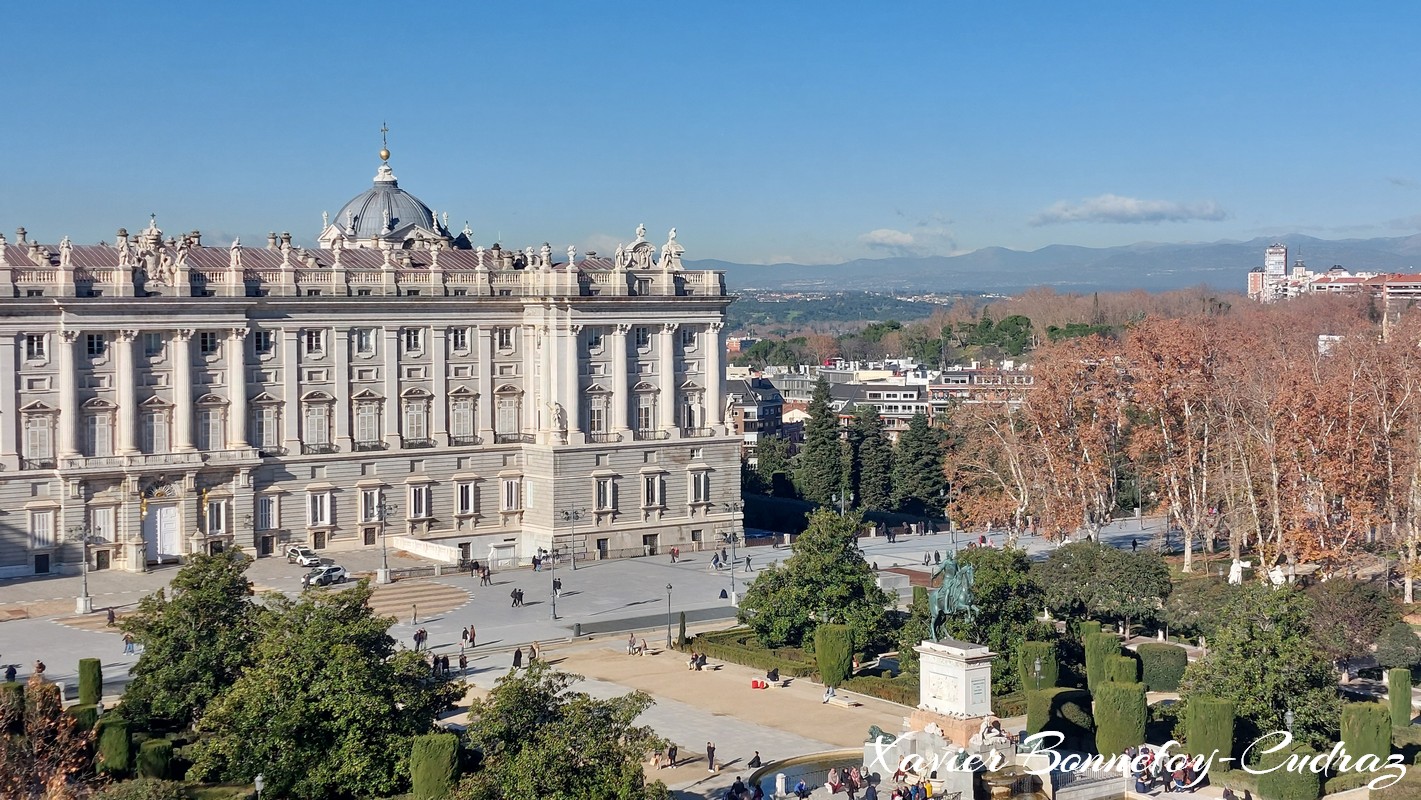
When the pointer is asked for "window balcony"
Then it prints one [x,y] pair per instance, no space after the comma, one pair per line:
[464,441]
[271,452]
[603,438]
[697,433]
[650,435]
[323,449]
[43,462]
[418,444]
[367,447]
[514,438]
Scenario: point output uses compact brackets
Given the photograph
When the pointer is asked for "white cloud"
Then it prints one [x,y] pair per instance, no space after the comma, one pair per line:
[929,236]
[603,244]
[1113,208]
[887,238]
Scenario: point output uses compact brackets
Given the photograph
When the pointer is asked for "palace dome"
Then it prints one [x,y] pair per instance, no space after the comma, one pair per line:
[383,209]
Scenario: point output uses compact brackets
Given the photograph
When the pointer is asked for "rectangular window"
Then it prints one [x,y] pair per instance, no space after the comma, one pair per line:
[419,502]
[597,415]
[511,498]
[414,340]
[507,415]
[416,420]
[688,337]
[369,505]
[643,337]
[367,423]
[97,441]
[101,523]
[155,432]
[95,344]
[319,508]
[700,486]
[465,499]
[606,494]
[643,287]
[651,496]
[261,342]
[211,432]
[315,340]
[216,516]
[41,529]
[34,346]
[594,340]
[646,411]
[459,338]
[364,341]
[461,417]
[318,424]
[268,512]
[268,427]
[505,338]
[208,343]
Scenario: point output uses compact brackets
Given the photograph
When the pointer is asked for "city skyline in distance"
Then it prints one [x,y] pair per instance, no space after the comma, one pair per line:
[797,133]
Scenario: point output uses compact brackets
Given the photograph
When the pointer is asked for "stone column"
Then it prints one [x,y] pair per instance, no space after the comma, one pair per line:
[548,364]
[9,428]
[68,395]
[620,388]
[484,336]
[438,367]
[391,336]
[291,390]
[666,356]
[236,390]
[343,391]
[715,375]
[182,391]
[530,418]
[572,385]
[126,381]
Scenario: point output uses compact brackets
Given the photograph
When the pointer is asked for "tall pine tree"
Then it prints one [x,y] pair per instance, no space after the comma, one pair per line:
[873,460]
[918,478]
[820,463]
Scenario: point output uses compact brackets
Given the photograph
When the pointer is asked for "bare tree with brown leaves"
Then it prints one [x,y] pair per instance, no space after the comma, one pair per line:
[52,758]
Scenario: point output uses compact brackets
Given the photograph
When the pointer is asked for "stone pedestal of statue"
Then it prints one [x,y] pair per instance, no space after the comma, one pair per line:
[955,689]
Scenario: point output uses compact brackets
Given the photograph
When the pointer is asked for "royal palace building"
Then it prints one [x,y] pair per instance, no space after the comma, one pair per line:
[161,397]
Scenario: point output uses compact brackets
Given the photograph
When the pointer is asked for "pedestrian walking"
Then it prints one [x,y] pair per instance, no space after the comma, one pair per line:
[715,562]
[927,559]
[533,653]
[464,637]
[10,673]
[671,754]
[747,564]
[557,587]
[444,665]
[724,556]
[710,757]
[1134,545]
[473,642]
[513,595]
[414,614]
[112,619]
[937,557]
[673,555]
[463,663]
[127,644]
[518,658]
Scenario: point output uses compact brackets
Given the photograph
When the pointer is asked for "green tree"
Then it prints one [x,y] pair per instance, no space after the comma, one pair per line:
[1090,578]
[772,465]
[1137,584]
[1008,600]
[539,738]
[328,708]
[1348,616]
[873,459]
[820,462]
[1193,606]
[1399,646]
[918,478]
[825,580]
[1120,716]
[1265,660]
[1209,730]
[197,638]
[834,650]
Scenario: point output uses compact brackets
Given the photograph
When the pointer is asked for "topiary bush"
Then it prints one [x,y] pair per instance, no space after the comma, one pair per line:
[91,681]
[12,700]
[434,765]
[834,650]
[681,636]
[1026,663]
[1122,668]
[86,715]
[1209,729]
[154,757]
[1098,648]
[1084,628]
[1162,665]
[1065,711]
[115,745]
[1366,728]
[1120,716]
[1285,784]
[1398,687]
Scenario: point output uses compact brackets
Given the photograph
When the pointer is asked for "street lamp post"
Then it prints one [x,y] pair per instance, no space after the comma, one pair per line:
[840,498]
[84,604]
[571,517]
[553,586]
[733,538]
[259,783]
[668,616]
[1036,672]
[382,509]
[1288,719]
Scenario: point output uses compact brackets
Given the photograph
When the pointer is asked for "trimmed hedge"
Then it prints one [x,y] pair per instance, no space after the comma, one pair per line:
[1398,686]
[1209,729]
[1084,628]
[434,765]
[1120,716]
[143,789]
[1366,728]
[1283,784]
[1162,665]
[86,715]
[834,650]
[12,697]
[1026,662]
[154,758]
[115,745]
[738,646]
[1064,710]
[1122,668]
[1099,647]
[902,690]
[91,681]
[1010,705]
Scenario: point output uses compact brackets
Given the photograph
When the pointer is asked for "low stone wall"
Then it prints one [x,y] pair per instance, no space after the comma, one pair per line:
[431,550]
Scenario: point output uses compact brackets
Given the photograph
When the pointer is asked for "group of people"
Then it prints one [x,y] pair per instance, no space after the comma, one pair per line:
[440,664]
[534,653]
[421,636]
[697,662]
[719,560]
[517,595]
[1152,773]
[740,791]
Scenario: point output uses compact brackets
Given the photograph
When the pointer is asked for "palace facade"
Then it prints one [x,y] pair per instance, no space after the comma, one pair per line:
[163,397]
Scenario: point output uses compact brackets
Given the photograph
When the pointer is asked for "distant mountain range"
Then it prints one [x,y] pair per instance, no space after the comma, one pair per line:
[1150,266]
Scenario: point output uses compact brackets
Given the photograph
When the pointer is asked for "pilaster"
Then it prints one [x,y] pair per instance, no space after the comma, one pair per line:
[666,357]
[236,390]
[342,389]
[291,386]
[484,336]
[126,382]
[620,387]
[182,390]
[68,394]
[390,337]
[715,374]
[439,369]
[9,427]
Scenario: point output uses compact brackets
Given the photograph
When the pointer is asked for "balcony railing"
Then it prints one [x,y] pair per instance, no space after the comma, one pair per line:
[464,441]
[418,444]
[324,449]
[366,447]
[46,462]
[603,438]
[649,435]
[513,438]
[271,452]
[697,433]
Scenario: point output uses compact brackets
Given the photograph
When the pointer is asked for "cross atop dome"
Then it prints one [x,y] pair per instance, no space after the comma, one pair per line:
[384,143]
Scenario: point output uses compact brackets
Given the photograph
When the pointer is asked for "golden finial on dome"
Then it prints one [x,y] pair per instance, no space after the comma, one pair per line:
[384,144]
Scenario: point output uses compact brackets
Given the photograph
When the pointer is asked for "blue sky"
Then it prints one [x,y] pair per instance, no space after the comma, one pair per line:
[812,132]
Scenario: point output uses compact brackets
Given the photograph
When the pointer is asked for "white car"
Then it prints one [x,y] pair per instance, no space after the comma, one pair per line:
[325,576]
[303,555]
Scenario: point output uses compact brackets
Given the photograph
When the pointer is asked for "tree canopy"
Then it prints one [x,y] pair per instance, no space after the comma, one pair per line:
[1008,600]
[821,469]
[1347,616]
[918,479]
[1087,578]
[873,460]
